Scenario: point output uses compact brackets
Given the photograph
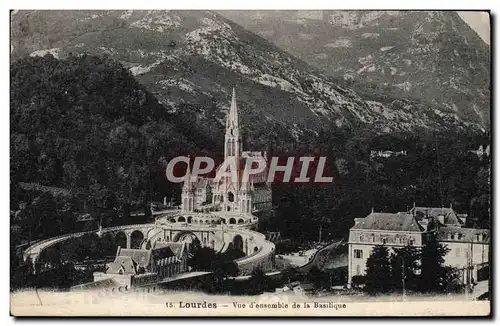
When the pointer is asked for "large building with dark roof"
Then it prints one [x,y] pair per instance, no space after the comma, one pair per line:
[389,229]
[139,267]
[468,248]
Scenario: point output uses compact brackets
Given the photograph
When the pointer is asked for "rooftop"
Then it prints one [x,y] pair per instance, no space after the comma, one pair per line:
[450,216]
[458,234]
[389,222]
[122,265]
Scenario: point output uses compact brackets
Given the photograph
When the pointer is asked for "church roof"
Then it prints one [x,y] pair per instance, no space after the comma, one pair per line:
[124,264]
[129,260]
[389,221]
[140,256]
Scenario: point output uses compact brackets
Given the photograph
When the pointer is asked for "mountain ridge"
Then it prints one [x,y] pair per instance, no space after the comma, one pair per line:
[401,52]
[191,60]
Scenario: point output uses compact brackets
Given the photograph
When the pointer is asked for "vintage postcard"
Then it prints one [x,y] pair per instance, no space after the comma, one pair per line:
[250,163]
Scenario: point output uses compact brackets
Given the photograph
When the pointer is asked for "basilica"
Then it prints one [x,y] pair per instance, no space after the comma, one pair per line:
[234,199]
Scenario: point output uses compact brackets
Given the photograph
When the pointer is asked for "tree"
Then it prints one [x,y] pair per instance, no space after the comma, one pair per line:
[231,254]
[378,271]
[319,278]
[290,274]
[22,275]
[258,282]
[194,248]
[433,273]
[405,266]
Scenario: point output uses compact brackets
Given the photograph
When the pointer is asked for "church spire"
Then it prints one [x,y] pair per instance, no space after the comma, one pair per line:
[232,126]
[232,138]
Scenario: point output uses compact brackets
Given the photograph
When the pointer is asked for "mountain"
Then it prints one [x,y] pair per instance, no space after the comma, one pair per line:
[191,60]
[85,122]
[429,55]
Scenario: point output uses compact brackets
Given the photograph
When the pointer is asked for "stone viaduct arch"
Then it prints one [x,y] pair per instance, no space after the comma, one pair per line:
[258,251]
[238,242]
[121,239]
[136,239]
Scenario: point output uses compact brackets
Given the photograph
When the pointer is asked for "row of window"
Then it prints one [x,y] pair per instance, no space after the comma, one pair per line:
[358,253]
[460,236]
[384,240]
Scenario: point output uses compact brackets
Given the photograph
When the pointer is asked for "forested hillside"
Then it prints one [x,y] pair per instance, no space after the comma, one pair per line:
[438,170]
[86,125]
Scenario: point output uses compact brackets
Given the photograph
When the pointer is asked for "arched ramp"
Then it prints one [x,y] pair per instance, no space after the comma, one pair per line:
[121,239]
[136,239]
[238,242]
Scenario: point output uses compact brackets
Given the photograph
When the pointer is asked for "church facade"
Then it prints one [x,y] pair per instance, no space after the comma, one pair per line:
[230,196]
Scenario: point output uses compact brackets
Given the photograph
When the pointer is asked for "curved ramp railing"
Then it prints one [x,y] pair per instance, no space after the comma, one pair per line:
[260,257]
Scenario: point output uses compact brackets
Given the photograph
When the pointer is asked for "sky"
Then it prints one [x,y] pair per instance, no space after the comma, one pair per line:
[479,21]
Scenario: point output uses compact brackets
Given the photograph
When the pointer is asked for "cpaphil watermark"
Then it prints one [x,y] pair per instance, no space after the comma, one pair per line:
[276,169]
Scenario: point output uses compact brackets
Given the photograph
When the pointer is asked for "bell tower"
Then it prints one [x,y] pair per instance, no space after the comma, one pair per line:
[232,153]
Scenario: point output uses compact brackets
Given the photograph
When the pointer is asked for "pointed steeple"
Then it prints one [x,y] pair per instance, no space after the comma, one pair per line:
[232,139]
[232,126]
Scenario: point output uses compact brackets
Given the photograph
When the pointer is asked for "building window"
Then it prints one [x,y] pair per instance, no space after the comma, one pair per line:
[457,253]
[410,242]
[384,240]
[358,253]
[358,270]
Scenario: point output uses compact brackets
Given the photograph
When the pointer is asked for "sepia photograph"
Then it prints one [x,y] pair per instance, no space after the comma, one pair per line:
[237,163]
